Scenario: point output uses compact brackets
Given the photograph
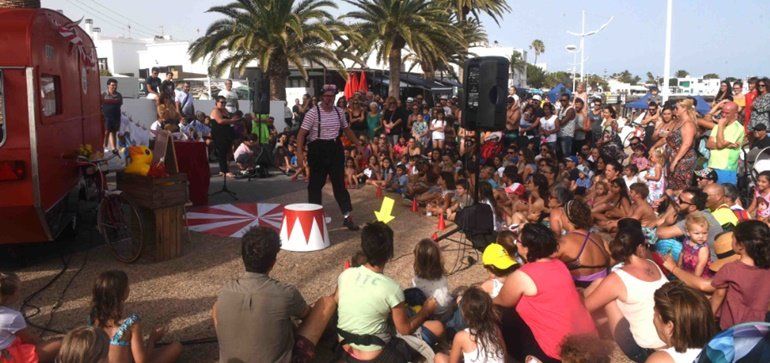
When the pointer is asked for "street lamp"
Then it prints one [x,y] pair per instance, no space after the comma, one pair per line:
[571,48]
[583,34]
[667,54]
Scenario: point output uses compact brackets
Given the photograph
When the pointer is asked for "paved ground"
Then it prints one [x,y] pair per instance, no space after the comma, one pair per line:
[181,292]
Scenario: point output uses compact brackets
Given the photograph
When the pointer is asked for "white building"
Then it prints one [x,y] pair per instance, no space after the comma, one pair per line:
[697,86]
[618,87]
[117,55]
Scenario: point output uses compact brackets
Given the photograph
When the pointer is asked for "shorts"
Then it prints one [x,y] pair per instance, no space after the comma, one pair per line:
[396,351]
[303,351]
[245,159]
[19,352]
[112,125]
[726,176]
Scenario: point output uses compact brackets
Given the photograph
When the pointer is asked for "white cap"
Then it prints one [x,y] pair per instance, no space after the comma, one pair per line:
[537,97]
[444,97]
[409,99]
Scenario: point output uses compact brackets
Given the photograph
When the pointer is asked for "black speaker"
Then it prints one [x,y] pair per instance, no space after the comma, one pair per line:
[485,86]
[260,90]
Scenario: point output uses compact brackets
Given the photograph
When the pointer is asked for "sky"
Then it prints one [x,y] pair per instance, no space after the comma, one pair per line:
[729,38]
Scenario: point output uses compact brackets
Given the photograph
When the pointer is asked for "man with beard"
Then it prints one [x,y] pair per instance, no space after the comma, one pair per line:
[671,224]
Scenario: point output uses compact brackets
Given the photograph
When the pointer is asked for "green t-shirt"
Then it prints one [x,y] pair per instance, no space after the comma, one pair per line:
[366,299]
[727,158]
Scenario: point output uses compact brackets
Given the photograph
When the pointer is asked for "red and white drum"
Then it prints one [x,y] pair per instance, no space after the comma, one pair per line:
[304,228]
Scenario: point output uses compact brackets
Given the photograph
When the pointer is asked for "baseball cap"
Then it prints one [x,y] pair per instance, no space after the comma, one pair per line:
[443,97]
[759,127]
[572,158]
[706,173]
[409,99]
[496,255]
[583,169]
[537,97]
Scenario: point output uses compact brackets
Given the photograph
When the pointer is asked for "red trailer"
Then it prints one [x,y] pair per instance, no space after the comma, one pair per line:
[49,106]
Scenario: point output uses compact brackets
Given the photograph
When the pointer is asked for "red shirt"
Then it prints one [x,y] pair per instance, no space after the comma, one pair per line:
[747,111]
[556,311]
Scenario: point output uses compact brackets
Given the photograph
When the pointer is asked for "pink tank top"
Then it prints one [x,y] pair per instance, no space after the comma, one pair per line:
[556,311]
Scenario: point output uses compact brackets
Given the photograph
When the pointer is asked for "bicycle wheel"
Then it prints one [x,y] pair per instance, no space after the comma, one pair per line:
[120,224]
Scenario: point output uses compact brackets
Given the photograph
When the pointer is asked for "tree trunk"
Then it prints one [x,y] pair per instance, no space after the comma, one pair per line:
[278,72]
[394,65]
[33,4]
[428,73]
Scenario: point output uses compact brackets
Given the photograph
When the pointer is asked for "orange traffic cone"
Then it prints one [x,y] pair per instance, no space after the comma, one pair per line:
[379,192]
[441,223]
[414,205]
[347,265]
[434,236]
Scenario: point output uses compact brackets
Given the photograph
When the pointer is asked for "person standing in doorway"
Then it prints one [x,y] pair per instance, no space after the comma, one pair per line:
[322,127]
[112,100]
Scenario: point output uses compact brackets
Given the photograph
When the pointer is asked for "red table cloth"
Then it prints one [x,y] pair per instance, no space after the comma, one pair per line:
[192,159]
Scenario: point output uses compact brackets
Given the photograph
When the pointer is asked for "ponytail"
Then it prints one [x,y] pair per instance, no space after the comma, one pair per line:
[754,236]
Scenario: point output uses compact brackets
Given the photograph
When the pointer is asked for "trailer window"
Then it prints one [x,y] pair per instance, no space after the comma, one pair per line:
[50,94]
[2,110]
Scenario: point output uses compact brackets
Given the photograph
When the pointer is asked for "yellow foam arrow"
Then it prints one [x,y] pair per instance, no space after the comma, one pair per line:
[383,215]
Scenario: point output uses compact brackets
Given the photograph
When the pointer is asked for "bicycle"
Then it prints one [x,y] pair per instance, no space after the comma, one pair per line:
[117,218]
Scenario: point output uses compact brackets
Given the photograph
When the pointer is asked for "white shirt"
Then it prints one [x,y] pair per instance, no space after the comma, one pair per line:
[242,149]
[438,135]
[550,125]
[154,128]
[231,97]
[439,289]
[11,321]
[480,355]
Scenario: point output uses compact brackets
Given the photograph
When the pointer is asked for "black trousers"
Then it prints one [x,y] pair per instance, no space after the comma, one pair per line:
[223,146]
[327,158]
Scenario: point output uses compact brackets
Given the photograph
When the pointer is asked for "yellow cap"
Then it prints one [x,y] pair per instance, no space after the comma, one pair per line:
[496,255]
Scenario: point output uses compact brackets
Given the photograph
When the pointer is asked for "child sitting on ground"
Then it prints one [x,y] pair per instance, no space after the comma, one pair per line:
[430,277]
[244,154]
[386,173]
[639,157]
[127,342]
[17,342]
[460,199]
[439,205]
[351,173]
[695,254]
[399,181]
[631,175]
[500,265]
[482,340]
[85,344]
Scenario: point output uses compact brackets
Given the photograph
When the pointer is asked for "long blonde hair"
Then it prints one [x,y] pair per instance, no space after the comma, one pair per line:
[689,107]
[85,344]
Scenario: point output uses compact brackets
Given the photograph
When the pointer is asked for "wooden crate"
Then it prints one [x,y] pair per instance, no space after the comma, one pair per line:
[164,232]
[154,193]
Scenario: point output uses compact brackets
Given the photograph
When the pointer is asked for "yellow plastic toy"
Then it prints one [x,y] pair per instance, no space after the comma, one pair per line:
[141,159]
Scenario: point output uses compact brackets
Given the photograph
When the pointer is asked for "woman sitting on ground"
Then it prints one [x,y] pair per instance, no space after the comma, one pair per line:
[626,295]
[582,251]
[683,321]
[534,209]
[559,197]
[617,206]
[548,307]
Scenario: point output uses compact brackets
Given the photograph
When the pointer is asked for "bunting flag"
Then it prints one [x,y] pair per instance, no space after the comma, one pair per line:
[70,33]
[234,220]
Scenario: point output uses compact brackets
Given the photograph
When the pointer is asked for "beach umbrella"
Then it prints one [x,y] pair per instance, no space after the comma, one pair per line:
[747,342]
[362,85]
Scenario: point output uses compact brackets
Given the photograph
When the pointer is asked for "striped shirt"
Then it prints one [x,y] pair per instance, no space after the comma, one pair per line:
[332,123]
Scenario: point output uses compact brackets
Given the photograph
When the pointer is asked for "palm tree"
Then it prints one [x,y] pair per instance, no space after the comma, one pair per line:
[33,4]
[389,26]
[494,8]
[455,50]
[272,33]
[517,62]
[681,73]
[650,78]
[538,47]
